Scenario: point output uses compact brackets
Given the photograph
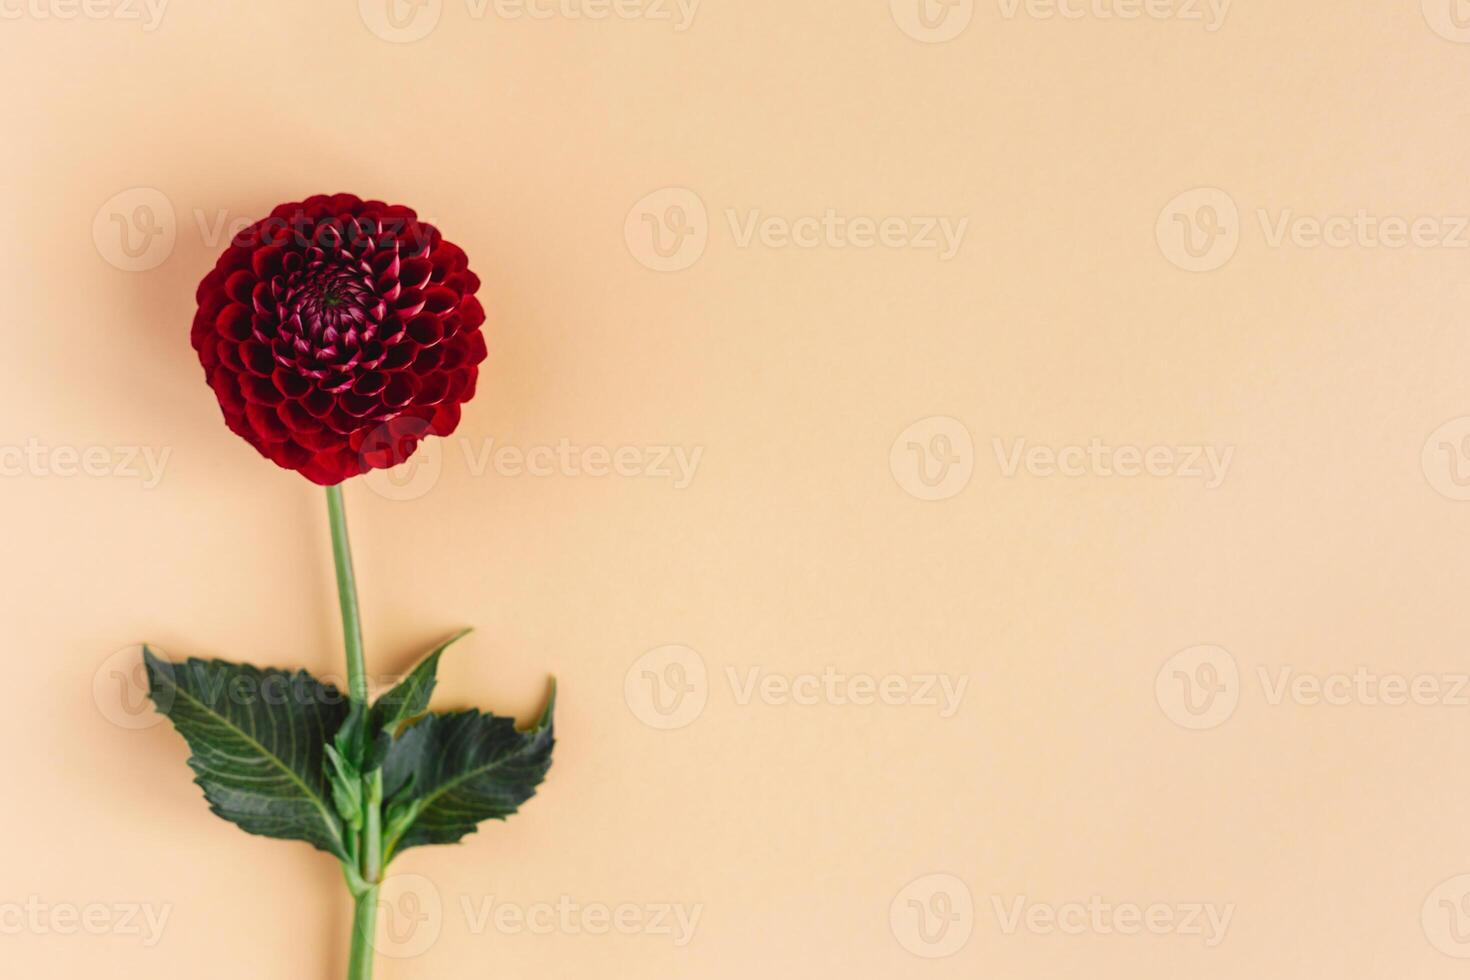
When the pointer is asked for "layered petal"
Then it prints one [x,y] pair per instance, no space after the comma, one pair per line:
[338,333]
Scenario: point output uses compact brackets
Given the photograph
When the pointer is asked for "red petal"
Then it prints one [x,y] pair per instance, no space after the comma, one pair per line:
[233,322]
[472,312]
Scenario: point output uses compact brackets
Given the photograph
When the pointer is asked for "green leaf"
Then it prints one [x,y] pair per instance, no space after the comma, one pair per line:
[346,783]
[450,771]
[258,739]
[410,698]
[351,741]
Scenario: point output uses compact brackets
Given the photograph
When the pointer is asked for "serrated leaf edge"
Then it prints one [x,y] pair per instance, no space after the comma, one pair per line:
[153,662]
[410,814]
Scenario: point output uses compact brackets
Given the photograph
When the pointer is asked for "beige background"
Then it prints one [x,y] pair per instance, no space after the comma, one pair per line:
[1332,833]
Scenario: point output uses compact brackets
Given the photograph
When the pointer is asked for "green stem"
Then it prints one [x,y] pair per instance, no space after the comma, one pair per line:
[347,595]
[372,828]
[364,922]
[370,850]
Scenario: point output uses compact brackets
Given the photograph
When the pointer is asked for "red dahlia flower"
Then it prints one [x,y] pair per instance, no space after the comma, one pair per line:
[337,333]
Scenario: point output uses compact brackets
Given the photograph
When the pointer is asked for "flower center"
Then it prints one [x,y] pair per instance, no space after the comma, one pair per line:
[330,316]
[331,300]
